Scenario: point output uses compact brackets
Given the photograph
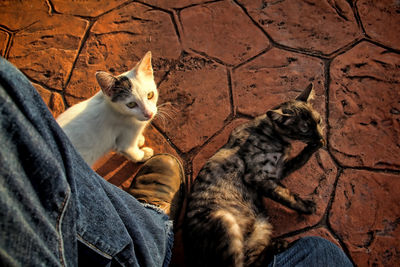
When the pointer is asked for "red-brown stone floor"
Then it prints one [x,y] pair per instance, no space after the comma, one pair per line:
[218,64]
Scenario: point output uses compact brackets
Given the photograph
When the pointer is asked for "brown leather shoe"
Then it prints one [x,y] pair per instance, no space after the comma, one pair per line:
[161,182]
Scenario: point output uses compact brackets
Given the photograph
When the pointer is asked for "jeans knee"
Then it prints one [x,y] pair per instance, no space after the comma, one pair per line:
[323,248]
[315,241]
[312,251]
[317,244]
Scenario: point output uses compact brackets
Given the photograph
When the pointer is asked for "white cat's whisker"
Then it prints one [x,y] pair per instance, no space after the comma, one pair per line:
[164,114]
[168,106]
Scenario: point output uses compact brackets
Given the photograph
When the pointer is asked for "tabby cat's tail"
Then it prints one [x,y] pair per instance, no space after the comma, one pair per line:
[233,243]
[257,244]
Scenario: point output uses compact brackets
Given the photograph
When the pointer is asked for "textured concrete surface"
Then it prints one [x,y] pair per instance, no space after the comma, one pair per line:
[220,63]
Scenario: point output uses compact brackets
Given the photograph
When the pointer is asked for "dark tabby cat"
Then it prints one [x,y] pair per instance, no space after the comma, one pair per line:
[226,222]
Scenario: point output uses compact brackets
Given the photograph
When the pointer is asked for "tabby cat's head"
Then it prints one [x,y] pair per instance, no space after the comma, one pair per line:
[133,93]
[297,119]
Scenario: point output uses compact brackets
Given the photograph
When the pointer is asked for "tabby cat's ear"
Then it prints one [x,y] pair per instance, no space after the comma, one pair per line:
[144,66]
[305,95]
[106,82]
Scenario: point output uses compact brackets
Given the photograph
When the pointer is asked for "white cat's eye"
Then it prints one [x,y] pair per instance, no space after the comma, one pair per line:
[131,104]
[150,95]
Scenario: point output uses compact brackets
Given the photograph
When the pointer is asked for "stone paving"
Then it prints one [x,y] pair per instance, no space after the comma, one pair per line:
[220,63]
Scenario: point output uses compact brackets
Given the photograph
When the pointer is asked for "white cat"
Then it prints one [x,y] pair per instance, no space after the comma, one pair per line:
[115,117]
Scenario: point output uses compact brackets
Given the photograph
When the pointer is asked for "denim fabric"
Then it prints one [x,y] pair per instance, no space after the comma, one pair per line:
[312,252]
[53,207]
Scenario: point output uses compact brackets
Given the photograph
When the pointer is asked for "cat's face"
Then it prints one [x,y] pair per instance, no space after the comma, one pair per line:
[133,93]
[297,120]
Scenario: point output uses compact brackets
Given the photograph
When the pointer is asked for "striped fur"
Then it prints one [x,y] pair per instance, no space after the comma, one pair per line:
[225,222]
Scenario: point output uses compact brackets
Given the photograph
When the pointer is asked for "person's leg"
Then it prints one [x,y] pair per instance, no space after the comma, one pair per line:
[52,205]
[37,209]
[310,252]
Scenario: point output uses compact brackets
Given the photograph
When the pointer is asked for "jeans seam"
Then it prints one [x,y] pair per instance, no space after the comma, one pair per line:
[59,222]
[92,246]
[155,208]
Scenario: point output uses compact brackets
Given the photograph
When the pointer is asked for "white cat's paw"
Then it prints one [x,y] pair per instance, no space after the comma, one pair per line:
[148,153]
[141,140]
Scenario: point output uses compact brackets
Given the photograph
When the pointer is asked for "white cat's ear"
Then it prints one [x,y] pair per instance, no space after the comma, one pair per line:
[106,82]
[144,66]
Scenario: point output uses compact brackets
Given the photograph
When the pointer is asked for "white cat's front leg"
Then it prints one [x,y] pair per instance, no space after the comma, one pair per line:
[141,140]
[137,154]
[147,153]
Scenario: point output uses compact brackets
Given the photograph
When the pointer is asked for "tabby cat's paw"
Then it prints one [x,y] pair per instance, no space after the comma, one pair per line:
[278,245]
[309,207]
[148,153]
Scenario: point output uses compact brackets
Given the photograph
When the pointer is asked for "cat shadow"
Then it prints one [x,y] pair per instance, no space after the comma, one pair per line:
[116,169]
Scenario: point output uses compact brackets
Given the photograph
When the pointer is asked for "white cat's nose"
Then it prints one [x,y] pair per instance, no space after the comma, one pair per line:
[149,115]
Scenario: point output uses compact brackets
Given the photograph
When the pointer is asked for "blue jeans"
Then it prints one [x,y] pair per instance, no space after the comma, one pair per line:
[312,251]
[55,211]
